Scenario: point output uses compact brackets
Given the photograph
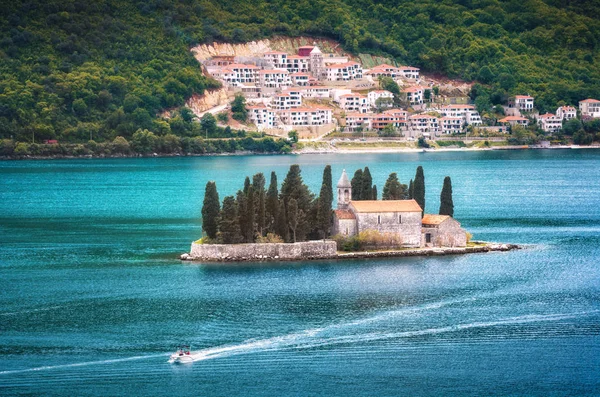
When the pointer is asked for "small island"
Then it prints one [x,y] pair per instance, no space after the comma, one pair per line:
[261,224]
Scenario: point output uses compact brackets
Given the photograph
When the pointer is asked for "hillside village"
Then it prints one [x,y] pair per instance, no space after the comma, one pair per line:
[315,93]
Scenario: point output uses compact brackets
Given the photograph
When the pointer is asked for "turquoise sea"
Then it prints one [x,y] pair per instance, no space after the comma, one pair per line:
[93,298]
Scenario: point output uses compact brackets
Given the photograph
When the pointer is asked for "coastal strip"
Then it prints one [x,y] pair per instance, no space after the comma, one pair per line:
[322,249]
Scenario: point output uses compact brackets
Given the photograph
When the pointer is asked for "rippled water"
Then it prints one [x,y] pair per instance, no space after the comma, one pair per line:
[93,299]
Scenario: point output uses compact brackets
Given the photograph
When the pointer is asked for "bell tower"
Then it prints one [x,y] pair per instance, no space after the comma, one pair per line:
[344,189]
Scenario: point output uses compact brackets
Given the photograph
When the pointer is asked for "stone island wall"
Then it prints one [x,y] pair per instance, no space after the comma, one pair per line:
[319,249]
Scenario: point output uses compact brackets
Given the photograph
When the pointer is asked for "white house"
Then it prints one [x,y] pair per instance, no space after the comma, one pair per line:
[373,96]
[451,125]
[304,117]
[409,72]
[550,122]
[590,108]
[414,94]
[235,74]
[278,59]
[344,71]
[383,70]
[261,116]
[297,64]
[467,113]
[424,123]
[316,92]
[521,102]
[274,78]
[566,112]
[357,121]
[286,100]
[354,103]
[300,79]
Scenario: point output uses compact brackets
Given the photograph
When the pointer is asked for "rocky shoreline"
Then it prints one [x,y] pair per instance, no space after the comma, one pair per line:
[482,247]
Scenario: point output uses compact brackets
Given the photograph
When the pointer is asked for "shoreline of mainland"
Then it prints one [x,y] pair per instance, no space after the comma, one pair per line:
[310,150]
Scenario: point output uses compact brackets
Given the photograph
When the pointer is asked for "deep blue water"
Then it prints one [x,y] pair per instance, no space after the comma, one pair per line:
[93,298]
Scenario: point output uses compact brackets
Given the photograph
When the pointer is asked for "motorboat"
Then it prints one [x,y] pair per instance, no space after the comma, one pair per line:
[183,355]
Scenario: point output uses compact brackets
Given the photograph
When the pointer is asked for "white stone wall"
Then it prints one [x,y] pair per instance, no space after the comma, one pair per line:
[270,251]
[447,234]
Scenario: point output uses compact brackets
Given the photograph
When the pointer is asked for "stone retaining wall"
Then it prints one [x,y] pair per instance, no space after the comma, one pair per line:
[320,249]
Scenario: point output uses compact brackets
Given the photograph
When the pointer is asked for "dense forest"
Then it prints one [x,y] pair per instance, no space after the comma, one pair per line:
[78,70]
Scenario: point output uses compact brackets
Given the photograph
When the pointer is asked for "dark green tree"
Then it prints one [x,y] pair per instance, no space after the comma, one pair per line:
[294,218]
[258,182]
[229,224]
[281,225]
[238,108]
[293,187]
[419,188]
[357,184]
[242,206]
[367,185]
[393,189]
[446,203]
[272,204]
[411,189]
[324,204]
[249,232]
[208,123]
[210,210]
[374,193]
[246,185]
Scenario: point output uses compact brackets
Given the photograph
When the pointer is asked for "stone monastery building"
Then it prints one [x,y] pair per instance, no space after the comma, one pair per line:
[401,217]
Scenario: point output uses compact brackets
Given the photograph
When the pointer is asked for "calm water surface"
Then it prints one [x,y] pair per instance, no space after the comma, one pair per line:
[93,299]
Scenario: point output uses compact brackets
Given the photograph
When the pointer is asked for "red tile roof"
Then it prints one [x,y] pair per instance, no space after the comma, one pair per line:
[344,214]
[429,219]
[386,206]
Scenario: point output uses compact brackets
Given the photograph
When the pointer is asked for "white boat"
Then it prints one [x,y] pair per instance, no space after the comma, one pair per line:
[183,355]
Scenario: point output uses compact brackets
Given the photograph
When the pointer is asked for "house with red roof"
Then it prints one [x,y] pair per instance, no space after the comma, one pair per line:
[590,108]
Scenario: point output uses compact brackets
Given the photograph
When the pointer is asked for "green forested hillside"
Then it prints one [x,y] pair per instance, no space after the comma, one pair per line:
[107,67]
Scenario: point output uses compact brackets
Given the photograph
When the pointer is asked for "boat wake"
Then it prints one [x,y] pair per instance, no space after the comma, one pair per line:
[321,337]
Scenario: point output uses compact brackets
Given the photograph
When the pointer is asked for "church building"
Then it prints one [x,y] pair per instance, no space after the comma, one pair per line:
[400,217]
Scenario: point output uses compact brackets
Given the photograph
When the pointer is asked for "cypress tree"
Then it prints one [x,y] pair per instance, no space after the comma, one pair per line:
[324,204]
[411,189]
[293,187]
[374,197]
[258,182]
[367,188]
[242,205]
[272,204]
[281,226]
[250,227]
[229,226]
[294,218]
[392,188]
[210,210]
[446,203]
[356,183]
[419,188]
[246,185]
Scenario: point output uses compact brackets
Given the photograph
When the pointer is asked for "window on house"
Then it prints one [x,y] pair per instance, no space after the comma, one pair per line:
[399,218]
[428,237]
[379,219]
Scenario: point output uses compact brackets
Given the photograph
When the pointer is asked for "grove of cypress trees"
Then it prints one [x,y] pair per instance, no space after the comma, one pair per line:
[272,204]
[366,185]
[446,203]
[229,226]
[210,210]
[324,204]
[356,183]
[419,188]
